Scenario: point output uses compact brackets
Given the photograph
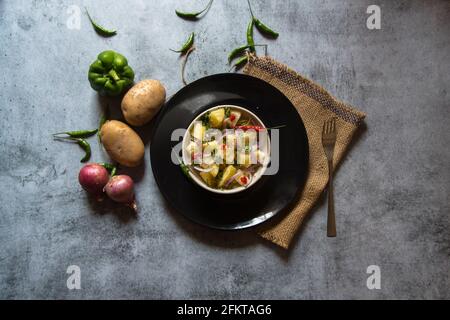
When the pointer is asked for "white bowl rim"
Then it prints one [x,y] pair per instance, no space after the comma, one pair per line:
[260,171]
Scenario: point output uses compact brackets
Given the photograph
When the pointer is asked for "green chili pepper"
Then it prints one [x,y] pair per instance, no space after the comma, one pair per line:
[236,52]
[250,41]
[193,15]
[241,61]
[265,29]
[86,147]
[261,26]
[187,45]
[77,134]
[110,74]
[99,29]
[82,143]
[110,167]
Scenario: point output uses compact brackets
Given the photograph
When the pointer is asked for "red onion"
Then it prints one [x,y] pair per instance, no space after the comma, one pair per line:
[93,178]
[229,181]
[121,189]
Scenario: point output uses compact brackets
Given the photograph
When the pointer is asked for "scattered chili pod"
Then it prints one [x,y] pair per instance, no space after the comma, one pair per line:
[82,143]
[187,45]
[265,29]
[77,134]
[99,29]
[193,15]
[112,169]
[241,61]
[86,147]
[250,41]
[261,26]
[236,52]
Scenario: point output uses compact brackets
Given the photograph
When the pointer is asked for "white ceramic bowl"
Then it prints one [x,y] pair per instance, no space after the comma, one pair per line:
[256,176]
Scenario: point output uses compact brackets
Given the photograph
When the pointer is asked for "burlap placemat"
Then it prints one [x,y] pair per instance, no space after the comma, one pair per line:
[315,105]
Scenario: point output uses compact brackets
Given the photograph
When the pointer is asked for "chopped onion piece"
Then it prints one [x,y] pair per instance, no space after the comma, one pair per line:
[203,170]
[237,174]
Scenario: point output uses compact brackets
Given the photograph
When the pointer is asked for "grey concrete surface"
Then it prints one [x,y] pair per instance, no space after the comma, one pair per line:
[392,191]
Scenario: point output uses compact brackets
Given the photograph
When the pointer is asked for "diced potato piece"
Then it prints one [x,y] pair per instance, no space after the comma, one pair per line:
[208,178]
[199,131]
[215,170]
[216,117]
[227,174]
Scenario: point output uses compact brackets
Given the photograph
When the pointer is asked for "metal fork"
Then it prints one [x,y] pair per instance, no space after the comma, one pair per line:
[328,142]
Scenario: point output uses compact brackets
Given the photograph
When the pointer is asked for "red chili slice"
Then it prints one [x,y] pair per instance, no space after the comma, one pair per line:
[244,179]
[232,117]
[245,128]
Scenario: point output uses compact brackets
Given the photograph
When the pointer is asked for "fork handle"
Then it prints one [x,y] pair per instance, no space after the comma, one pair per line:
[331,219]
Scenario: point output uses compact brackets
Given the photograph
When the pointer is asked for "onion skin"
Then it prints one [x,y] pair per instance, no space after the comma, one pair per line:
[121,189]
[93,178]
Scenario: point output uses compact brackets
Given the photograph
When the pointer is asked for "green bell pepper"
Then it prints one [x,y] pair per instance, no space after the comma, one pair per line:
[110,74]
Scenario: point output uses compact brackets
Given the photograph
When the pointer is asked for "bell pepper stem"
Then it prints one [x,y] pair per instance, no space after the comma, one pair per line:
[114,75]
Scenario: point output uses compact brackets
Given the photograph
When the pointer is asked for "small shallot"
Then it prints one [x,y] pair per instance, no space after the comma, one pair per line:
[121,189]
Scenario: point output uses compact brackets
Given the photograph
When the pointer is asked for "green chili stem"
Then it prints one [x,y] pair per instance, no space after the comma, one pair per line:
[250,7]
[110,167]
[183,66]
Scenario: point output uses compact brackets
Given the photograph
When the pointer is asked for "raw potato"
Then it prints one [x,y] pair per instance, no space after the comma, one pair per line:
[122,143]
[216,117]
[143,101]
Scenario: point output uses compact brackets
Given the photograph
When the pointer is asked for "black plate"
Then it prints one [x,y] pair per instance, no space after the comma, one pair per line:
[271,194]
